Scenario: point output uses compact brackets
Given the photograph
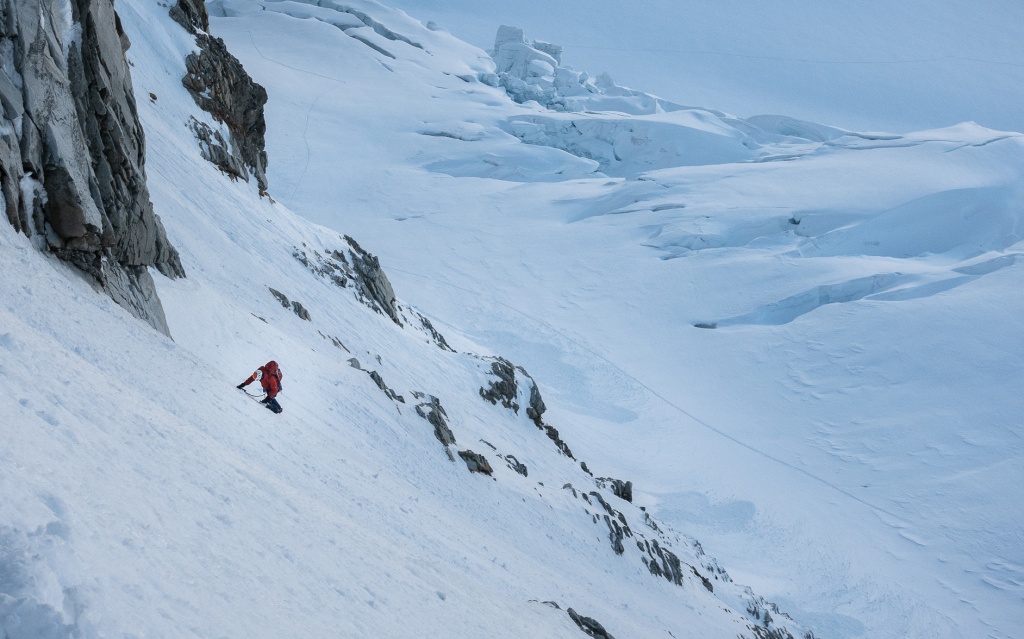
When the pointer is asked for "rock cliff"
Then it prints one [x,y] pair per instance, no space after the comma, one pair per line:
[72,151]
[222,87]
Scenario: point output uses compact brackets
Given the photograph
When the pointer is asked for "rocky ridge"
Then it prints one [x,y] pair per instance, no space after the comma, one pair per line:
[221,86]
[353,268]
[72,151]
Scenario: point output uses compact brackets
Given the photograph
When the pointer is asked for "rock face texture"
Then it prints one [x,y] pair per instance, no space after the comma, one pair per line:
[221,87]
[516,465]
[296,306]
[72,151]
[476,462]
[373,282]
[589,625]
[504,390]
[192,15]
[621,489]
[434,413]
[356,269]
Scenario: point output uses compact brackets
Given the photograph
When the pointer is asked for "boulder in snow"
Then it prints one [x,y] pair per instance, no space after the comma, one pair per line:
[476,462]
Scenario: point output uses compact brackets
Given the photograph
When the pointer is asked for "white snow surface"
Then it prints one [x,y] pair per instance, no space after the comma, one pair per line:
[846,439]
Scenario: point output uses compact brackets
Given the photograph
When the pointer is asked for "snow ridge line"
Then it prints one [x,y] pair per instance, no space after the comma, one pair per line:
[668,402]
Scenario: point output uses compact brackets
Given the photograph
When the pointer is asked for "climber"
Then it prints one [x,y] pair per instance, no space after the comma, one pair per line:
[269,376]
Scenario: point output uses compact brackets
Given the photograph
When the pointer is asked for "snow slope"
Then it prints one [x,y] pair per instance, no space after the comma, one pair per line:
[144,496]
[847,437]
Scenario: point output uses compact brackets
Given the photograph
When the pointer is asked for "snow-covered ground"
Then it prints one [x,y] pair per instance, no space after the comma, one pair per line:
[849,434]
[802,344]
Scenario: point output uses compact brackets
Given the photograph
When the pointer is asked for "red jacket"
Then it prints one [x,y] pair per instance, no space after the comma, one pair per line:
[270,376]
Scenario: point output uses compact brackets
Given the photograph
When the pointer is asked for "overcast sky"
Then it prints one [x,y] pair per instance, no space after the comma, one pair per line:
[866,65]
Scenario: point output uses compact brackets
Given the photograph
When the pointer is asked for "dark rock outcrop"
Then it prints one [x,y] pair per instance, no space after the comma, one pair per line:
[334,340]
[216,150]
[653,525]
[659,559]
[552,434]
[552,604]
[360,271]
[333,266]
[516,465]
[476,462]
[379,381]
[704,580]
[222,87]
[72,150]
[536,407]
[435,335]
[296,307]
[281,297]
[767,626]
[504,390]
[301,311]
[589,625]
[615,535]
[434,413]
[372,282]
[192,15]
[618,527]
[773,633]
[662,562]
[621,489]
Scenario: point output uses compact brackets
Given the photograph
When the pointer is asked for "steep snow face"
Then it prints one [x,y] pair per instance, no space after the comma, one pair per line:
[805,356]
[806,351]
